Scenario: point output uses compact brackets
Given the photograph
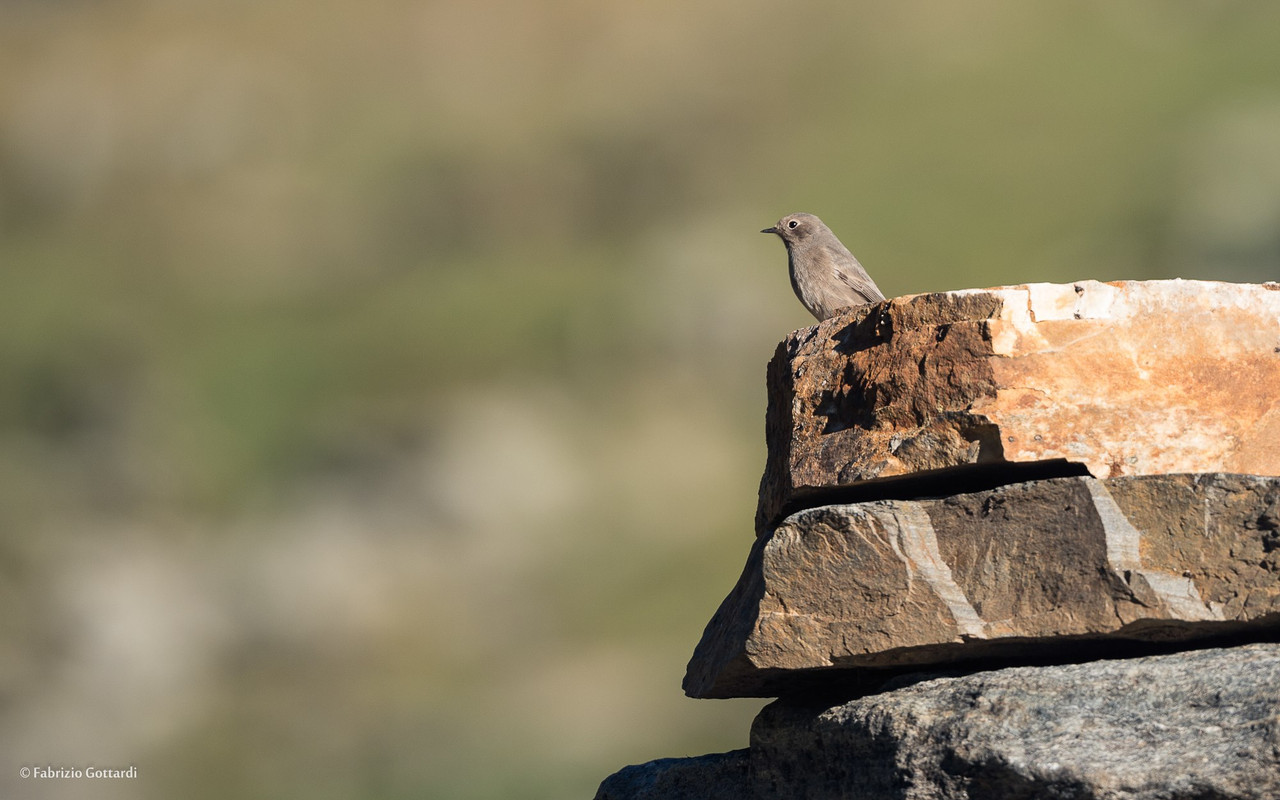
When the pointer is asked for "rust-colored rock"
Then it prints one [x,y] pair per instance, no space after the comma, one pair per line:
[1042,570]
[1124,378]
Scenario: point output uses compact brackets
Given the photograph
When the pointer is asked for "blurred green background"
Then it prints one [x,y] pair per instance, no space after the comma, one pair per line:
[382,384]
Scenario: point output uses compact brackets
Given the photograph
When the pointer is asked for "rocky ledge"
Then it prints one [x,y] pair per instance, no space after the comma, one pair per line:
[1059,569]
[1124,378]
[1010,543]
[1200,725]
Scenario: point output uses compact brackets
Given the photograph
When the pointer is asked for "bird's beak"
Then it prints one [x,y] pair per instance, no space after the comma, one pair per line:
[774,229]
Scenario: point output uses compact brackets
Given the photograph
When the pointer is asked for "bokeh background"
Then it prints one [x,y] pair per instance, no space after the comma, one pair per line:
[381,384]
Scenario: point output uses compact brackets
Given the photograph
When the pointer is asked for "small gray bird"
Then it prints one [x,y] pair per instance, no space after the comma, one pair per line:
[824,274]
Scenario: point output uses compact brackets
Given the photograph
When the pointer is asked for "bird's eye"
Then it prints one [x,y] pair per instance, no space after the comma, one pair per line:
[792,224]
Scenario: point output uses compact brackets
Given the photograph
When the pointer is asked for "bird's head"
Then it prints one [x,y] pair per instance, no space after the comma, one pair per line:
[795,228]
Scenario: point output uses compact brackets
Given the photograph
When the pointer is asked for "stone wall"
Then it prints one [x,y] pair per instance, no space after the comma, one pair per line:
[1011,543]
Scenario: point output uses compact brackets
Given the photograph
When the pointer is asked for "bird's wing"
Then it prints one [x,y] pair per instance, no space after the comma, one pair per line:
[858,280]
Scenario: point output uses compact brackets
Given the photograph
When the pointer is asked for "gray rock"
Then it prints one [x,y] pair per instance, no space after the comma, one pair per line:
[1200,725]
[1038,572]
[721,776]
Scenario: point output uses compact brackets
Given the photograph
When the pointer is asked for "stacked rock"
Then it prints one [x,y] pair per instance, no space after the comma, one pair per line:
[1012,542]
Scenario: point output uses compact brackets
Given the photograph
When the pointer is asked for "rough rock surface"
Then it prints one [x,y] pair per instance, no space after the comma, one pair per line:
[1052,570]
[721,776]
[1124,378]
[1190,726]
[1199,725]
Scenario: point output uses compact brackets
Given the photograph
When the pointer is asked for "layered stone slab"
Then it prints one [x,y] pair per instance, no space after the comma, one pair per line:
[1122,378]
[1195,724]
[1031,570]
[1192,725]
